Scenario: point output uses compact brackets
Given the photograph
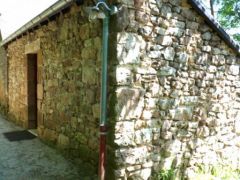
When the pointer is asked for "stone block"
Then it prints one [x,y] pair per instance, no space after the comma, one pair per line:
[125,139]
[155,54]
[89,75]
[182,57]
[128,48]
[143,136]
[218,60]
[233,70]
[166,103]
[96,110]
[50,135]
[40,91]
[130,102]
[192,25]
[169,53]
[181,113]
[164,40]
[143,174]
[124,75]
[167,71]
[174,31]
[189,100]
[207,36]
[32,47]
[63,141]
[132,156]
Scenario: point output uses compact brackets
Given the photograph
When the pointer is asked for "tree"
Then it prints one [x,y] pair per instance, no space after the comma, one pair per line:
[228,15]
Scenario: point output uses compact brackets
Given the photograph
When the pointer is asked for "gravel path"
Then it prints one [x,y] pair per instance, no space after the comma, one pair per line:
[31,159]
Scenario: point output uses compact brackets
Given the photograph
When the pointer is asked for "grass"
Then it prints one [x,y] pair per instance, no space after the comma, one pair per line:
[165,175]
[217,172]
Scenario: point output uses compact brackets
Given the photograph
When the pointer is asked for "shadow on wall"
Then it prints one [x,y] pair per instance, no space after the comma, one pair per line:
[170,102]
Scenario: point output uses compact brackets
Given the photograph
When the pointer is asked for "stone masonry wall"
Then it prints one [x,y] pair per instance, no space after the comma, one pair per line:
[177,94]
[3,79]
[68,87]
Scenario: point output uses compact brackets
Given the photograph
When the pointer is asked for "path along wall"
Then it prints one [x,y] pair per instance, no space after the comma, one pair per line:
[68,52]
[177,94]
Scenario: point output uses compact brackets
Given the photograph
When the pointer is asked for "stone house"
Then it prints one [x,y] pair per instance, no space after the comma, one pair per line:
[173,89]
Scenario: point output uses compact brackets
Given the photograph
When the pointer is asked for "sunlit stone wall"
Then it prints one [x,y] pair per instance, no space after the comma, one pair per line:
[177,95]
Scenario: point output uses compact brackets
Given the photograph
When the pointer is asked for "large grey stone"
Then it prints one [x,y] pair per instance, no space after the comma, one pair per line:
[181,113]
[167,71]
[207,36]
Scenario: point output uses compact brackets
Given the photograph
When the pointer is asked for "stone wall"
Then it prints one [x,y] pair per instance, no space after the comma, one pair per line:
[177,94]
[173,89]
[68,51]
[3,79]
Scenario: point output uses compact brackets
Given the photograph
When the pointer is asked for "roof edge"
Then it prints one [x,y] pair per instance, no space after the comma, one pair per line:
[46,14]
[215,25]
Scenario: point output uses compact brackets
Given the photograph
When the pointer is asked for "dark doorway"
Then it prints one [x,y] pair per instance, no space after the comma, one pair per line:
[32,90]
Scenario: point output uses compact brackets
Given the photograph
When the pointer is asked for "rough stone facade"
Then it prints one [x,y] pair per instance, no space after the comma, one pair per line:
[177,92]
[68,82]
[174,89]
[3,79]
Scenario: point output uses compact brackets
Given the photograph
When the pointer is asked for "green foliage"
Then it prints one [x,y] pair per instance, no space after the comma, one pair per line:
[229,14]
[219,172]
[165,175]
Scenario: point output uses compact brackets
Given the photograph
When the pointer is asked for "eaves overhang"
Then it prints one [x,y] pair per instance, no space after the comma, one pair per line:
[199,7]
[45,16]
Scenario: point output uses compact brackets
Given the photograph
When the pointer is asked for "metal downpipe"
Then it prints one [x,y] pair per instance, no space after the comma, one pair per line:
[103,117]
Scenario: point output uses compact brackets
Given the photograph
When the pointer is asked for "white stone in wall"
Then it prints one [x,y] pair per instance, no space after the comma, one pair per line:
[133,156]
[128,48]
[155,54]
[145,70]
[212,69]
[218,60]
[124,126]
[133,168]
[143,136]
[123,75]
[233,70]
[142,174]
[165,40]
[169,53]
[167,163]
[206,48]
[125,139]
[174,31]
